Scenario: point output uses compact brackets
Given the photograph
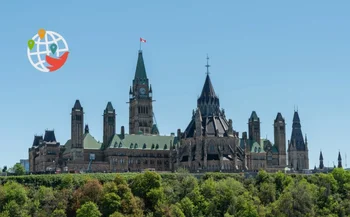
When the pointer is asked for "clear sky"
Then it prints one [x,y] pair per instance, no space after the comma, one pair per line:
[267,56]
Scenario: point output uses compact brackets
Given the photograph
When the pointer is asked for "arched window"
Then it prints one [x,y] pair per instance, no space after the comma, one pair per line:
[165,146]
[115,144]
[256,149]
[144,146]
[136,146]
[120,144]
[131,145]
[211,147]
[152,146]
[157,146]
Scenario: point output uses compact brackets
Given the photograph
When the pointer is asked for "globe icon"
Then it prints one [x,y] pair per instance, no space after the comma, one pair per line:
[37,55]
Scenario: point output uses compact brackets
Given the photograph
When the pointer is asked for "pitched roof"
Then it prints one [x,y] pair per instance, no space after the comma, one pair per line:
[254,116]
[77,105]
[89,142]
[109,107]
[141,141]
[49,136]
[255,147]
[279,117]
[37,140]
[140,72]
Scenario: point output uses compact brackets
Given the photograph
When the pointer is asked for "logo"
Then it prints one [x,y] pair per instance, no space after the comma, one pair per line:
[47,51]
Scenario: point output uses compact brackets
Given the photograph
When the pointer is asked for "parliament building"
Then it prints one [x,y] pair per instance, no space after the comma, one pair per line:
[208,143]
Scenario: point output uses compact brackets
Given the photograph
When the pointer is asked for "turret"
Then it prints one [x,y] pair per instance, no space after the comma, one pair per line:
[339,161]
[109,124]
[321,161]
[280,138]
[254,127]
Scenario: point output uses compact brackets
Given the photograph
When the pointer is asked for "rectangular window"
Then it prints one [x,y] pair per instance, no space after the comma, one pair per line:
[110,120]
[78,117]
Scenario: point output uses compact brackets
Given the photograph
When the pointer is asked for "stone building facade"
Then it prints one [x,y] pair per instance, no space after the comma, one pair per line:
[44,153]
[209,143]
[298,151]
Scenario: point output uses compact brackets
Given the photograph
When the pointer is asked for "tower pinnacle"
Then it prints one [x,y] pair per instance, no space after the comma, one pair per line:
[207,65]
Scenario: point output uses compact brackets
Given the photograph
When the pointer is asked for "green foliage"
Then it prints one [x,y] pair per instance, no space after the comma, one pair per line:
[89,209]
[19,169]
[176,194]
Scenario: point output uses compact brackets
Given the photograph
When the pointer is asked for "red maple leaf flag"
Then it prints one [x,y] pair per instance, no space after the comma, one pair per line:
[142,40]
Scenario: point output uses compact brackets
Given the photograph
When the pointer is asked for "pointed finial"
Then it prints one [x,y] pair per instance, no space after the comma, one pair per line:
[207,65]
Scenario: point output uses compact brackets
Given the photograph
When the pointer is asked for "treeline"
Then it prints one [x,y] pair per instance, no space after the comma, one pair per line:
[176,194]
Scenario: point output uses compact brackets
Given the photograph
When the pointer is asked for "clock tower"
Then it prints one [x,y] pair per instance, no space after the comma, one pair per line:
[140,101]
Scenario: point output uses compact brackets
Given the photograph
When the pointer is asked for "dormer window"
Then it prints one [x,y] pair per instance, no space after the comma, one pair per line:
[144,146]
[131,145]
[120,144]
[157,146]
[165,146]
[136,146]
[152,146]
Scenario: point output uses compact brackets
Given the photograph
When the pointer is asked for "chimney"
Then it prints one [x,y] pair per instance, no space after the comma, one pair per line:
[122,132]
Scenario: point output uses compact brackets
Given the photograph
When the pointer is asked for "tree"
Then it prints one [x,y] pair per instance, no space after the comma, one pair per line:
[89,209]
[18,169]
[58,213]
[4,170]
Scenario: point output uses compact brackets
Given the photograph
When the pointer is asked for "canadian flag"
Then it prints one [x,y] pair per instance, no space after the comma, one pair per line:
[143,40]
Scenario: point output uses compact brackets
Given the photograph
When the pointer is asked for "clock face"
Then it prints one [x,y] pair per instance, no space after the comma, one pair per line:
[142,90]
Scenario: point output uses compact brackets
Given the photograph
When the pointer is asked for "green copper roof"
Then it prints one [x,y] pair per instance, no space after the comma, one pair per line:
[89,143]
[148,142]
[140,68]
[154,129]
[259,148]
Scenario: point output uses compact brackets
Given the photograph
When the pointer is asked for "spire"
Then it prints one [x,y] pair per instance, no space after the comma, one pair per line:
[321,156]
[207,65]
[339,161]
[297,135]
[140,72]
[254,116]
[130,91]
[208,89]
[86,128]
[208,102]
[77,105]
[150,88]
[109,107]
[296,118]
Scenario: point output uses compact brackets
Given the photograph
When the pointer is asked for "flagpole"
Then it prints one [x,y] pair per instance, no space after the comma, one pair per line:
[140,43]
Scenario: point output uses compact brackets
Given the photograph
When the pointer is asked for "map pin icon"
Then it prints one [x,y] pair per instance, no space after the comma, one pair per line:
[53,48]
[41,33]
[31,44]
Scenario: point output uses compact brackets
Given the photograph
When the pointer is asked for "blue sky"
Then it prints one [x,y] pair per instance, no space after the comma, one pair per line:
[267,56]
